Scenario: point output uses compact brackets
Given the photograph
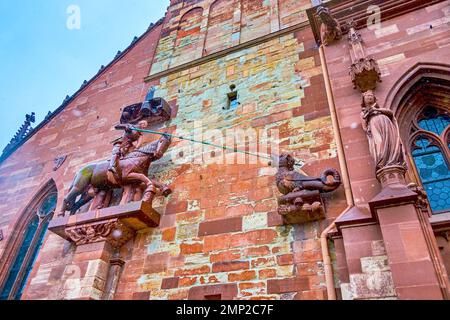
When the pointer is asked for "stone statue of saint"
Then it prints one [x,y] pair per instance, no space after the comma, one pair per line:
[382,131]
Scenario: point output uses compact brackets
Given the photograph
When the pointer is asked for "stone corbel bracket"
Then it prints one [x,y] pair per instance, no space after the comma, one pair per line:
[115,225]
[301,207]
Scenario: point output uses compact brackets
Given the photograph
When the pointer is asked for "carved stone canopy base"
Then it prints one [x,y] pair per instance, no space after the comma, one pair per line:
[115,225]
[301,207]
[392,175]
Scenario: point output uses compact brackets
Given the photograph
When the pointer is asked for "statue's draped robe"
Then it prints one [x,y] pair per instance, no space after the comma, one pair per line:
[384,138]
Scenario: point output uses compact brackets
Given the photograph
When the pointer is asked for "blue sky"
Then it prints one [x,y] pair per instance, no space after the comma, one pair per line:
[42,61]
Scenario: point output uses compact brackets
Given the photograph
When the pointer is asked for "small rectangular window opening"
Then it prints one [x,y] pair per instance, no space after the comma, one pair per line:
[233,101]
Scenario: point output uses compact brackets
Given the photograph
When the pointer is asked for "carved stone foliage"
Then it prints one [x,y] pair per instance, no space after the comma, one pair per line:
[112,231]
[330,30]
[301,201]
[58,162]
[365,74]
[422,200]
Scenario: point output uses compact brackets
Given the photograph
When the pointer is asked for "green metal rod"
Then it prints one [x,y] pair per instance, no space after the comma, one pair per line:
[207,143]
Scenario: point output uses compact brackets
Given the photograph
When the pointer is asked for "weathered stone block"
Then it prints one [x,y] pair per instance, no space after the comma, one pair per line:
[373,285]
[375,264]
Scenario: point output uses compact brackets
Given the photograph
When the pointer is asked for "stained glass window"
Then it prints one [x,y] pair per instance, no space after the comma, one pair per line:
[434,172]
[34,235]
[434,122]
[431,157]
[14,271]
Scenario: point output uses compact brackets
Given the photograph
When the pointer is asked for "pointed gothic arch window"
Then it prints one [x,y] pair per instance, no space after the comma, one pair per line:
[430,150]
[31,239]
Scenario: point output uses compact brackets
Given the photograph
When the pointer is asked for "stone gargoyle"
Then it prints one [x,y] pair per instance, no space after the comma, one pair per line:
[330,30]
[301,201]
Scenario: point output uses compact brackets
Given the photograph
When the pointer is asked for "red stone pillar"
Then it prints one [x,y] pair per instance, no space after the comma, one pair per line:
[416,271]
[89,272]
[98,236]
[96,269]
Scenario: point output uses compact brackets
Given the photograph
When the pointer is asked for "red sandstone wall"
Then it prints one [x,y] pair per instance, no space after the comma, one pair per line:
[444,247]
[220,226]
[82,132]
[220,24]
[400,44]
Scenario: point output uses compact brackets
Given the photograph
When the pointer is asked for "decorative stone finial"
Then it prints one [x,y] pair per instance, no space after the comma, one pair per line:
[21,134]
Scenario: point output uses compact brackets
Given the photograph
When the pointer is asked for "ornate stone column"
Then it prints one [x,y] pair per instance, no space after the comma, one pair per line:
[115,271]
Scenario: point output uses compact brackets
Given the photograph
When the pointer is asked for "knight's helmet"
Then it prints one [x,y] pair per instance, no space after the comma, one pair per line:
[147,105]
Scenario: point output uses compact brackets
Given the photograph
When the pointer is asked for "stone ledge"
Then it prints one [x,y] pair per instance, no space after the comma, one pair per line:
[135,215]
[440,221]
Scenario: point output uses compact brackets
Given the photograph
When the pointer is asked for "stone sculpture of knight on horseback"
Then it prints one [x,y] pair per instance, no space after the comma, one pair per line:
[127,169]
[130,141]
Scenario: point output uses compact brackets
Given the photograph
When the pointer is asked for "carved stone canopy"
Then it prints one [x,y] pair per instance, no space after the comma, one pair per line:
[365,74]
[364,70]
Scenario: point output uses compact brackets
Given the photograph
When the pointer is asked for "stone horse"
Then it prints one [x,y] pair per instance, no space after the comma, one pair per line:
[95,181]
